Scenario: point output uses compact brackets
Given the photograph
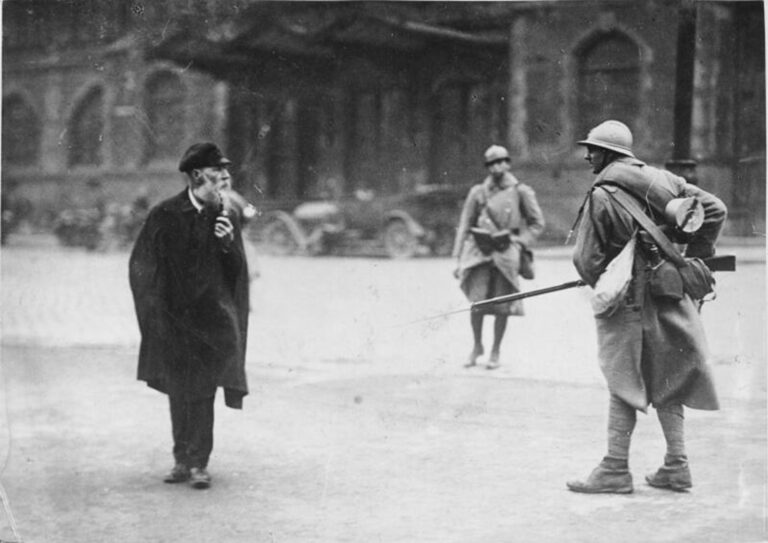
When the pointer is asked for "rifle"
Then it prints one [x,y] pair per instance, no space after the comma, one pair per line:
[714,263]
[499,299]
[526,294]
[721,263]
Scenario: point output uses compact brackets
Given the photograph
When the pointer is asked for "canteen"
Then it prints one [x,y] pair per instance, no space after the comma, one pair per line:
[687,214]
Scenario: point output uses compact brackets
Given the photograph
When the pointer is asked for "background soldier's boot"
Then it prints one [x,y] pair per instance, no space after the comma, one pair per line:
[611,476]
[493,360]
[673,475]
[477,352]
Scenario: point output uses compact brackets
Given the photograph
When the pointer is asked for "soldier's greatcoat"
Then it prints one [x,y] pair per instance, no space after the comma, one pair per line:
[650,350]
[191,298]
[506,205]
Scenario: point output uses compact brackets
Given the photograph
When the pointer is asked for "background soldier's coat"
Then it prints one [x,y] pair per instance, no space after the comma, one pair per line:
[514,207]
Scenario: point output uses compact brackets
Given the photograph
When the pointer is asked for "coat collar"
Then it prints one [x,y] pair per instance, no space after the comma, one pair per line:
[626,161]
[507,181]
[181,203]
[630,161]
[194,201]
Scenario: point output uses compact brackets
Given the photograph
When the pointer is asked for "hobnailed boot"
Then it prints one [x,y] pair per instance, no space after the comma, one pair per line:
[611,476]
[673,475]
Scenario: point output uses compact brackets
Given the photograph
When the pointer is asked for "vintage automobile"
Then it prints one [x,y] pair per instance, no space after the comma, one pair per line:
[421,222]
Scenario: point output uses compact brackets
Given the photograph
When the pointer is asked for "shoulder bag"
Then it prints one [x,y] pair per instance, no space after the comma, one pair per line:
[612,285]
[693,276]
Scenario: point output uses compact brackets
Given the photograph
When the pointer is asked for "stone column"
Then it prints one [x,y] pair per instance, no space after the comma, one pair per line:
[220,101]
[681,162]
[53,156]
[517,89]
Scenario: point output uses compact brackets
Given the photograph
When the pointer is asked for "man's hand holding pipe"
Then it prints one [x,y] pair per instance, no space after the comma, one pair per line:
[224,230]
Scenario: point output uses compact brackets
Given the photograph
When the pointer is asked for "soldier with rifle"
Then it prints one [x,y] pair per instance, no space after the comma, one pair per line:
[651,343]
[652,348]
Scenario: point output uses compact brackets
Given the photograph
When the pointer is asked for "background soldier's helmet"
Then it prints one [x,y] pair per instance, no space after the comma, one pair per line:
[494,153]
[611,135]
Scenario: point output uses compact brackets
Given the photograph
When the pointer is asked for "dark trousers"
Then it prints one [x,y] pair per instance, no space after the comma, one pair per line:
[192,426]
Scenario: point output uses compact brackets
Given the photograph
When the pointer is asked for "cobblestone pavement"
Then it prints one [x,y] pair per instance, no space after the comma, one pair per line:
[361,425]
[326,311]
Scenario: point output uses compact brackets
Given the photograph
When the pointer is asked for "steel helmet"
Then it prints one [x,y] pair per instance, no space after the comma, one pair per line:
[494,153]
[611,135]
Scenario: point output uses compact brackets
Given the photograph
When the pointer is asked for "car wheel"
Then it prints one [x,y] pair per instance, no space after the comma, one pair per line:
[278,239]
[399,242]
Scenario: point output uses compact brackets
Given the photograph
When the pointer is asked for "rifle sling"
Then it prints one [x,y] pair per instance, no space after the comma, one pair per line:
[630,204]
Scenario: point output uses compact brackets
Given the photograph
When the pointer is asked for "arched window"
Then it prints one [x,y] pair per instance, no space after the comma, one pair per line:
[21,133]
[86,130]
[164,105]
[608,80]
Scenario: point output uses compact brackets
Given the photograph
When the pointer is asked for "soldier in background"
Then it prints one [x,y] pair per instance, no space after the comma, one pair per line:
[501,206]
[652,349]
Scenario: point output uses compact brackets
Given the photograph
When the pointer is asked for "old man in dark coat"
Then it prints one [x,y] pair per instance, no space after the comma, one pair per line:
[189,279]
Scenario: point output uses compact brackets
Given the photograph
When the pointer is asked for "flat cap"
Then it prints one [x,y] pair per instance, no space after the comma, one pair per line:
[202,155]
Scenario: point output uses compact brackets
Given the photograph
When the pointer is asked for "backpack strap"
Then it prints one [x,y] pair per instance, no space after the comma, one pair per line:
[630,205]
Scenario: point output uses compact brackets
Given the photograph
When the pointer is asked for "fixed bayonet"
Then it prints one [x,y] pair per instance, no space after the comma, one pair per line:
[714,263]
[527,294]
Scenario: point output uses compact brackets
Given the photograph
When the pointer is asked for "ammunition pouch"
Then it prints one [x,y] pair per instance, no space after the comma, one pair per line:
[668,282]
[698,280]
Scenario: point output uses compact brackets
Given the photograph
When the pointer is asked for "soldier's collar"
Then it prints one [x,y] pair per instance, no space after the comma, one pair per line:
[507,181]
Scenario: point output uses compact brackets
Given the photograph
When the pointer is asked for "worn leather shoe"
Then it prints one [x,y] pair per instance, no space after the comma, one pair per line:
[606,478]
[674,475]
[178,474]
[199,478]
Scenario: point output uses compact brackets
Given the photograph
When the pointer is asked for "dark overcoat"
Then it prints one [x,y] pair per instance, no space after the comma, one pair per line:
[650,350]
[190,293]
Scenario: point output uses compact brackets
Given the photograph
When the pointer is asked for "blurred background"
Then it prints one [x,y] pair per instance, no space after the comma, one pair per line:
[382,108]
[355,131]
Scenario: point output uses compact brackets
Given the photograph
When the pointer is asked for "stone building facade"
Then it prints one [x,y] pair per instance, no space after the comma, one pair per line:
[376,96]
